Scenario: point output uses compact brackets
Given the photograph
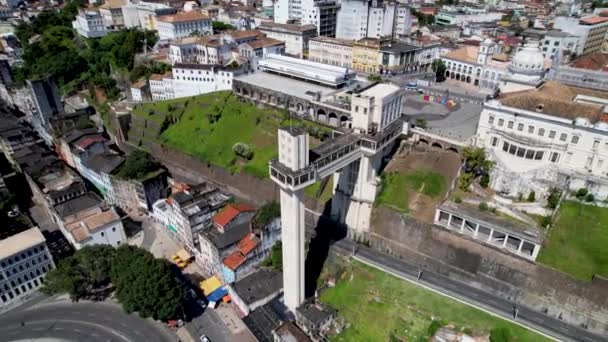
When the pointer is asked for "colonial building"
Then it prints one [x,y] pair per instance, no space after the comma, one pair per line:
[553,136]
[90,24]
[183,25]
[111,12]
[332,51]
[296,37]
[475,65]
[590,30]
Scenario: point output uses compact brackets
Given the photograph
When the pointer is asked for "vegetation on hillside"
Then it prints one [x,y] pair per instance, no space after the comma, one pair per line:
[141,282]
[275,258]
[380,307]
[219,26]
[75,62]
[138,165]
[209,126]
[266,214]
[576,243]
[397,186]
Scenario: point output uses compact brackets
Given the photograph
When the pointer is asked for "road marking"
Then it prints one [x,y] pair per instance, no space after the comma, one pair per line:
[380,267]
[99,326]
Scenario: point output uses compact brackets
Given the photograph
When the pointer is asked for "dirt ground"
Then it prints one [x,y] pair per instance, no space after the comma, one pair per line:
[445,163]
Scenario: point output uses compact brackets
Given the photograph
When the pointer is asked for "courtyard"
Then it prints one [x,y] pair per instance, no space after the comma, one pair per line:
[377,306]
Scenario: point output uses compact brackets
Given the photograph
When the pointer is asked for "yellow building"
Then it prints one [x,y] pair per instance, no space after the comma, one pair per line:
[366,54]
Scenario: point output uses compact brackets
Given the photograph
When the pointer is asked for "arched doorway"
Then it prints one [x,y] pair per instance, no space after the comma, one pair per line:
[321,116]
[333,119]
[343,120]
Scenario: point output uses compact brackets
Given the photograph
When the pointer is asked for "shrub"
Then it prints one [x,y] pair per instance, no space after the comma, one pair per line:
[483,206]
[589,198]
[243,150]
[422,123]
[457,199]
[532,196]
[500,335]
[433,327]
[465,181]
[553,198]
[581,193]
[484,181]
[545,221]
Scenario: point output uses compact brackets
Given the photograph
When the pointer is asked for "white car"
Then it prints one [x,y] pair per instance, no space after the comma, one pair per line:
[205,339]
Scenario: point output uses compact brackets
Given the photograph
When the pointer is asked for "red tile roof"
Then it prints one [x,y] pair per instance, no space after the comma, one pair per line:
[85,142]
[183,17]
[234,260]
[594,61]
[230,212]
[593,20]
[248,243]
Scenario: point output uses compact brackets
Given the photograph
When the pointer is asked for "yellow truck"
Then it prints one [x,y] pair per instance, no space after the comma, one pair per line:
[182,258]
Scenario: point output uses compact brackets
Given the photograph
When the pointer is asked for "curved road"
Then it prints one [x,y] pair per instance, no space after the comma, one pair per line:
[64,321]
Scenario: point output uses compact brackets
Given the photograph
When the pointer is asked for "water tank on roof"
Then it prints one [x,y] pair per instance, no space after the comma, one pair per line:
[582,122]
[602,126]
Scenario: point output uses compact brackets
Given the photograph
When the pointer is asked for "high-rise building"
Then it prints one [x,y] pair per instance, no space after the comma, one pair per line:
[46,98]
[359,19]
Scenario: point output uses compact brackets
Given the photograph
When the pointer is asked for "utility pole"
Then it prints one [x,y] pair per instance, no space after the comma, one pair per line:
[515,312]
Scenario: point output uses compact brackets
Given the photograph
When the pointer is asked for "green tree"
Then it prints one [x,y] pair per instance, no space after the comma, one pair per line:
[374,78]
[581,193]
[439,68]
[553,198]
[422,123]
[83,274]
[266,214]
[532,196]
[145,284]
[275,259]
[138,165]
[219,26]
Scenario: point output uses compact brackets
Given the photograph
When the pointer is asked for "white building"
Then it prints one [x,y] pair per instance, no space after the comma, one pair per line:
[376,108]
[332,51]
[296,37]
[475,65]
[161,86]
[111,12]
[197,79]
[215,49]
[24,261]
[557,41]
[143,14]
[183,25]
[591,31]
[552,136]
[94,226]
[90,24]
[358,19]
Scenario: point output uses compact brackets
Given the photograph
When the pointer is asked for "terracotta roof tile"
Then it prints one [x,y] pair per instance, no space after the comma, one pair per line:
[230,212]
[264,42]
[87,141]
[594,61]
[245,34]
[593,20]
[248,243]
[183,17]
[465,54]
[234,260]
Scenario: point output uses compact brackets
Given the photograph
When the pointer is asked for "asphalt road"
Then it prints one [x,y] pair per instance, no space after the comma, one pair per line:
[536,320]
[66,321]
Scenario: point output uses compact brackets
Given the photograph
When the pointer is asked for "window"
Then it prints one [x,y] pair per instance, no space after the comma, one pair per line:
[501,122]
[505,146]
[538,155]
[596,143]
[103,234]
[529,154]
[491,120]
[520,127]
[552,134]
[494,141]
[563,137]
[554,157]
[512,149]
[531,129]
[521,151]
[574,139]
[510,124]
[541,132]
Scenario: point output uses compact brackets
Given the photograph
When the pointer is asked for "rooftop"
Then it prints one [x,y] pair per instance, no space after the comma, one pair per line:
[75,205]
[380,90]
[315,312]
[594,61]
[228,238]
[230,212]
[248,243]
[593,20]
[491,220]
[183,17]
[398,47]
[113,4]
[104,162]
[237,35]
[81,228]
[160,77]
[259,285]
[309,71]
[234,260]
[287,27]
[285,85]
[20,242]
[290,332]
[84,142]
[331,40]
[264,42]
[465,54]
[557,99]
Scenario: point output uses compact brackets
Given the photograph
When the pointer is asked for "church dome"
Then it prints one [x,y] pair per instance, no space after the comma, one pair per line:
[529,60]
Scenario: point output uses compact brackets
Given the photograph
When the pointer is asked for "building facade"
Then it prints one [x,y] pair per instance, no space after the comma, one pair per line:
[296,37]
[90,24]
[183,25]
[591,32]
[24,261]
[332,51]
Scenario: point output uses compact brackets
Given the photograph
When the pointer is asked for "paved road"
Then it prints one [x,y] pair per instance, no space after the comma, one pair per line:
[210,325]
[536,320]
[79,322]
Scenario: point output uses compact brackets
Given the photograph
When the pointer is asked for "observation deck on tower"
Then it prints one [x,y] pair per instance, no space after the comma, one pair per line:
[333,155]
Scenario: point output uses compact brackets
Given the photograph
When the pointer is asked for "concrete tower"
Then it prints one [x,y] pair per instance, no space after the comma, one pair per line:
[293,154]
[486,51]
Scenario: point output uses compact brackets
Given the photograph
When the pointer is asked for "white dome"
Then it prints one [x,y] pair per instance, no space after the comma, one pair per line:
[529,60]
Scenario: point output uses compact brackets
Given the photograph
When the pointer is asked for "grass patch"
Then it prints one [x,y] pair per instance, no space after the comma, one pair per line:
[208,126]
[577,241]
[397,187]
[325,195]
[381,307]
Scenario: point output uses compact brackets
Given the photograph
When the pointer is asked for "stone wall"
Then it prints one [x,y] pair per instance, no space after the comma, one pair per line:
[533,285]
